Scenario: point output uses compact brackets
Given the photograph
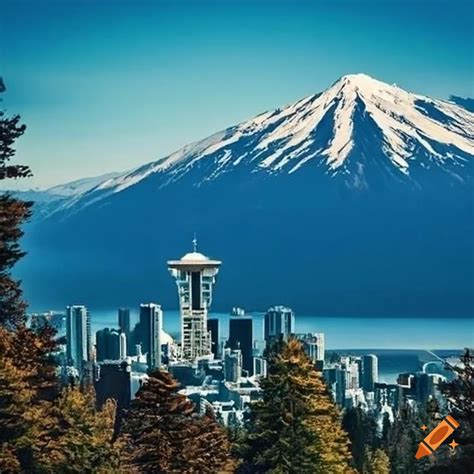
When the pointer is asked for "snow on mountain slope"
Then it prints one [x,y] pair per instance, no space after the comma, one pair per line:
[79,186]
[406,128]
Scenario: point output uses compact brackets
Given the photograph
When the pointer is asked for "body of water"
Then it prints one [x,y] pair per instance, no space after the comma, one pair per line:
[340,332]
[401,344]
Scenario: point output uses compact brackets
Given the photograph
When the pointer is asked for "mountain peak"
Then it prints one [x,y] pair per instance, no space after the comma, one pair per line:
[356,125]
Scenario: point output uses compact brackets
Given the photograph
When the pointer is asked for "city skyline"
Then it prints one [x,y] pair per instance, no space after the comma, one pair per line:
[90,88]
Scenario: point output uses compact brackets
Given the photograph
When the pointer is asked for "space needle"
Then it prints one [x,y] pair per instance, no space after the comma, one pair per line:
[195,276]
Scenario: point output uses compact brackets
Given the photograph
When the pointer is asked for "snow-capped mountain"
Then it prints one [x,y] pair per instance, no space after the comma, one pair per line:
[333,130]
[340,203]
[80,186]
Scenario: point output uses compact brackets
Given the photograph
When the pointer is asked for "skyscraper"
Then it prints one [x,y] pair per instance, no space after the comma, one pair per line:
[232,365]
[124,321]
[78,336]
[150,328]
[195,276]
[313,345]
[279,321]
[110,345]
[213,328]
[369,372]
[241,337]
[124,327]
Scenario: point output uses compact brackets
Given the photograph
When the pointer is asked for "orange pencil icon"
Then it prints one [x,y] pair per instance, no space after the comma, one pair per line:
[436,437]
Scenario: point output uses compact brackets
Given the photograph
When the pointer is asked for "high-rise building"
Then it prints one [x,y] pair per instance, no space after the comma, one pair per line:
[150,327]
[232,365]
[78,336]
[195,276]
[241,337]
[279,322]
[124,321]
[110,345]
[369,372]
[213,328]
[124,327]
[313,344]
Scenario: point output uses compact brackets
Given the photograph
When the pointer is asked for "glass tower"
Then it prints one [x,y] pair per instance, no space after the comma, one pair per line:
[78,335]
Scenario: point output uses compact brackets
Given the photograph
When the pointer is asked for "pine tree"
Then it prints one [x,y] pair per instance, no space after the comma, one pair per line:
[13,213]
[295,427]
[71,436]
[163,433]
[376,462]
[460,397]
[15,401]
[41,429]
[361,429]
[404,435]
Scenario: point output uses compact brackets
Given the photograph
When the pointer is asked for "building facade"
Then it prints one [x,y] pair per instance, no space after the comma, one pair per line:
[279,322]
[148,332]
[313,344]
[369,371]
[195,276]
[241,337]
[213,328]
[78,336]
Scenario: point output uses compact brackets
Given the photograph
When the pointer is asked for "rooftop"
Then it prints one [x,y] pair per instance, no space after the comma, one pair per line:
[194,258]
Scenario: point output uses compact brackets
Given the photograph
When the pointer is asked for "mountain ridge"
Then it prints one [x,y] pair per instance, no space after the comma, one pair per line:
[375,219]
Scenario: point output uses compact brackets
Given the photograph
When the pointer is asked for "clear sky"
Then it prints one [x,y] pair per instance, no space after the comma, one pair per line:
[109,85]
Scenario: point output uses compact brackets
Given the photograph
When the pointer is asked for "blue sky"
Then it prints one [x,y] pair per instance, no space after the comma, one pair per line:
[109,85]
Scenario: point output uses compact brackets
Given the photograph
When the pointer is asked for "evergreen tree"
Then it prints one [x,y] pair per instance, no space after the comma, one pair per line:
[40,430]
[27,381]
[404,435]
[296,426]
[460,397]
[13,213]
[376,462]
[163,433]
[71,436]
[361,429]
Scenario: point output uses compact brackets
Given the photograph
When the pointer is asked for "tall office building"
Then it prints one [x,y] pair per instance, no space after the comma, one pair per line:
[369,372]
[232,365]
[124,321]
[150,327]
[195,276]
[279,322]
[124,327]
[78,336]
[110,345]
[213,328]
[313,344]
[241,337]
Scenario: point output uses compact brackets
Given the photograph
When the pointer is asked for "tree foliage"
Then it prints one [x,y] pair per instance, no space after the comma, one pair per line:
[361,428]
[13,213]
[42,429]
[460,397]
[295,427]
[376,462]
[163,433]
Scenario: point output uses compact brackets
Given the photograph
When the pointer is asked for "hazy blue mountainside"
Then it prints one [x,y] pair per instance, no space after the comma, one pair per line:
[354,201]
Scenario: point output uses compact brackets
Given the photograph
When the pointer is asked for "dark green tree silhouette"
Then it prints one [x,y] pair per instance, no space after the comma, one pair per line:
[162,432]
[296,427]
[13,213]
